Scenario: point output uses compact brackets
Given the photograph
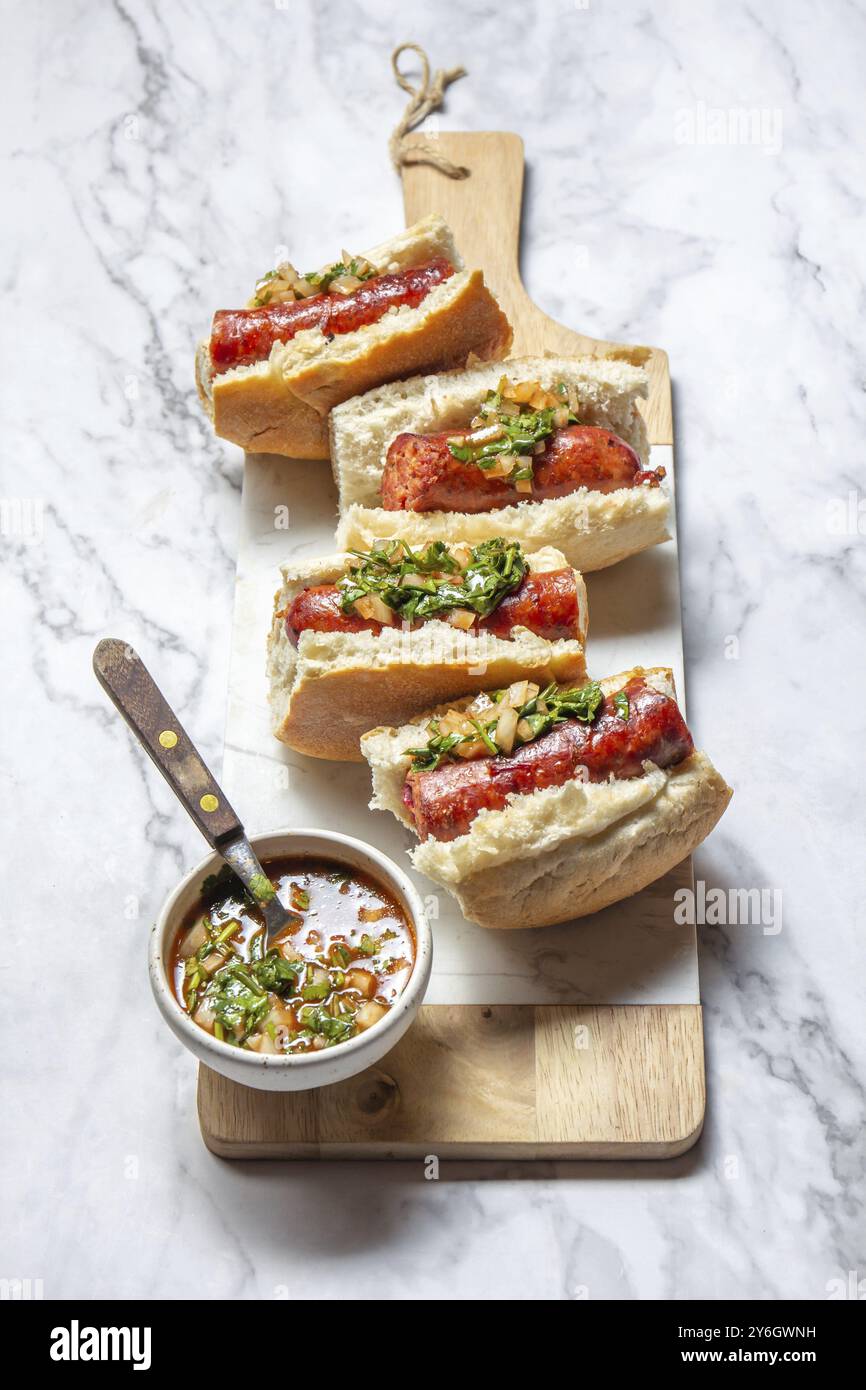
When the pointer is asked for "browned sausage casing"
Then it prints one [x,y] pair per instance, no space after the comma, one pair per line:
[422,475]
[242,336]
[444,802]
[547,604]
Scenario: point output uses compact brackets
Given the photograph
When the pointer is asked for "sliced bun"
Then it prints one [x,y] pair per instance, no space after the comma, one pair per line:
[280,405]
[334,686]
[553,855]
[591,529]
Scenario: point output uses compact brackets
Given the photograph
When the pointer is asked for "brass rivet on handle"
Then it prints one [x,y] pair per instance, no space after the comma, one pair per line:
[208,802]
[168,738]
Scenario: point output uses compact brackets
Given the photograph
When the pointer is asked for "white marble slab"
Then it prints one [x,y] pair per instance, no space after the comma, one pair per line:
[635,952]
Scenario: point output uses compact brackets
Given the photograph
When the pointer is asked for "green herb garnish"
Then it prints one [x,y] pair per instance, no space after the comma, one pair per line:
[322,278]
[547,709]
[620,701]
[314,994]
[319,1021]
[261,888]
[520,434]
[421,584]
[237,1000]
[277,974]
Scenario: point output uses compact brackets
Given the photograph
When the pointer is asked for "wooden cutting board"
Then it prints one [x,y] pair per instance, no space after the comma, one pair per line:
[516,1080]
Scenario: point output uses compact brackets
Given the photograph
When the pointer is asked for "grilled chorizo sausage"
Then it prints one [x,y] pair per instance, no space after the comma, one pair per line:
[320,609]
[546,603]
[241,336]
[444,802]
[422,475]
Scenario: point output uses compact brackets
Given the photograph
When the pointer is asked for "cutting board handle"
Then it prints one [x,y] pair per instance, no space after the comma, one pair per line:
[483,210]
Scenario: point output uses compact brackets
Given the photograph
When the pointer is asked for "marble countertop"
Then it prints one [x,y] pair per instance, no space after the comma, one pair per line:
[695,182]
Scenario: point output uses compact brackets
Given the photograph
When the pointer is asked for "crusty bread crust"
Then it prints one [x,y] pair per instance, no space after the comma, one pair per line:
[336,685]
[562,853]
[593,530]
[281,405]
[253,407]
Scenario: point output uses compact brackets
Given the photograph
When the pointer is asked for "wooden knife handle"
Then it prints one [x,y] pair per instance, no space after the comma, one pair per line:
[121,672]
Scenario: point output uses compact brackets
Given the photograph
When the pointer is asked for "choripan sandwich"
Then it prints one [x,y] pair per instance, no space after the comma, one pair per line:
[537,805]
[373,637]
[550,451]
[269,373]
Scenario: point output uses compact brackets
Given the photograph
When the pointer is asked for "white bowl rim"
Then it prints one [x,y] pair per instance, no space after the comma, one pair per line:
[406,1000]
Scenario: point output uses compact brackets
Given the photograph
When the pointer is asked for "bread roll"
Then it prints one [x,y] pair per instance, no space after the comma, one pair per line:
[564,852]
[280,405]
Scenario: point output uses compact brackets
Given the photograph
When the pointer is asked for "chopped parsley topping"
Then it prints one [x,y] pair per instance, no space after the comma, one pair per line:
[421,584]
[238,1002]
[544,711]
[320,1021]
[322,278]
[518,433]
[276,974]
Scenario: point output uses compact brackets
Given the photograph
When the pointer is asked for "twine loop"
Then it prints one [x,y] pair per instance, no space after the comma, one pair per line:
[428,96]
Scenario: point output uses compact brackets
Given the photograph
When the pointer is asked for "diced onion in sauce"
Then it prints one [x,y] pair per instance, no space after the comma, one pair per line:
[530,393]
[344,284]
[521,391]
[481,702]
[373,609]
[204,1017]
[463,618]
[471,748]
[506,727]
[368,1014]
[486,435]
[193,940]
[520,693]
[503,466]
[362,981]
[455,723]
[285,285]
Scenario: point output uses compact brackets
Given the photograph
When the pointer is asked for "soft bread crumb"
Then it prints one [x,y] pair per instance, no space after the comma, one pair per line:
[362,428]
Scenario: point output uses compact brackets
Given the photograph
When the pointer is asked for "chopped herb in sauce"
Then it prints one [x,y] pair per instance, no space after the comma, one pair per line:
[422,584]
[509,431]
[476,729]
[311,989]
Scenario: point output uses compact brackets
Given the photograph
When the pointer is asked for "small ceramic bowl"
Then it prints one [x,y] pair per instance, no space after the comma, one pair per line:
[309,1069]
